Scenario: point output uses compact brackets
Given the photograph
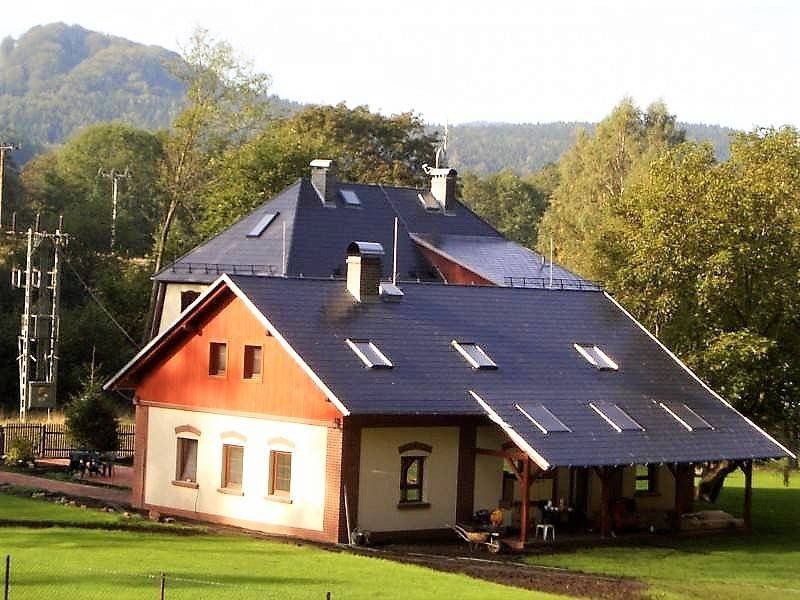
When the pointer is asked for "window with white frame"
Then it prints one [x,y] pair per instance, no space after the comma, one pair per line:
[596,357]
[474,355]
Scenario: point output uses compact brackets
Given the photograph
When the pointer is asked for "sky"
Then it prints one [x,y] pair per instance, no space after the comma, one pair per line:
[725,62]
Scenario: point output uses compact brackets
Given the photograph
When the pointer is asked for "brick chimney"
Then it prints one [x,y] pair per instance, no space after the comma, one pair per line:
[443,187]
[323,178]
[364,270]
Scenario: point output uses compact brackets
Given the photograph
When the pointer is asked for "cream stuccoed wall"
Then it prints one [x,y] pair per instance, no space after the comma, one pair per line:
[306,442]
[379,478]
[171,309]
[488,469]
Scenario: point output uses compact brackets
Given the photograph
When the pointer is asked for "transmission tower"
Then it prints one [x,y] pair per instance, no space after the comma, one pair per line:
[115,177]
[40,322]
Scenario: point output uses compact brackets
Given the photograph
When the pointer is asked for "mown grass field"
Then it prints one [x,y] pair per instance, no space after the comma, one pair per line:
[763,564]
[80,564]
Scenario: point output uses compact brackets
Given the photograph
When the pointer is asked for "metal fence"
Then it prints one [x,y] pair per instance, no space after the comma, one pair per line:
[25,579]
[51,440]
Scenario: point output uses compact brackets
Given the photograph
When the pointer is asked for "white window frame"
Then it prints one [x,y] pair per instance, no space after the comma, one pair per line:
[387,364]
[688,427]
[539,425]
[472,362]
[608,363]
[608,419]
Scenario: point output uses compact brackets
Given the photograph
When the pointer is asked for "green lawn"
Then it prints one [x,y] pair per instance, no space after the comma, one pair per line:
[764,564]
[80,564]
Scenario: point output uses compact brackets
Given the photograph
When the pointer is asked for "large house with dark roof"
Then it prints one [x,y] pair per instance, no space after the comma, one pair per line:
[315,406]
[304,231]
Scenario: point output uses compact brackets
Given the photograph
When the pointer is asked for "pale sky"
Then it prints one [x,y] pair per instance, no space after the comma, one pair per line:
[727,62]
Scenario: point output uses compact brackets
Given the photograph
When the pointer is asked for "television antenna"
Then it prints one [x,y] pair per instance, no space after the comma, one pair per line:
[115,177]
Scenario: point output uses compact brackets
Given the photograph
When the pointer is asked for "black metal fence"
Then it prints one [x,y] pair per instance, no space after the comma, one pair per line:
[51,440]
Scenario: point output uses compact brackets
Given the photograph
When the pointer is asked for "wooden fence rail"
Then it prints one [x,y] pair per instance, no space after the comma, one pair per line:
[51,440]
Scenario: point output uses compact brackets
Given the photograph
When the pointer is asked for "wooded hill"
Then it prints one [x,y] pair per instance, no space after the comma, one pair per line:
[57,78]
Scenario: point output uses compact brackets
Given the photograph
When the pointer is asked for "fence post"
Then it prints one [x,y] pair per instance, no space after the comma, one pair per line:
[163,584]
[42,437]
[2,440]
[7,577]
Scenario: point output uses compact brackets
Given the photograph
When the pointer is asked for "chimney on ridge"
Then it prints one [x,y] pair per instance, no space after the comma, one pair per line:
[323,178]
[364,270]
[443,186]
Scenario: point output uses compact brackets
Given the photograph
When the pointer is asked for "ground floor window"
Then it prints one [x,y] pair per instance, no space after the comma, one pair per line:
[232,466]
[280,473]
[186,468]
[646,479]
[411,478]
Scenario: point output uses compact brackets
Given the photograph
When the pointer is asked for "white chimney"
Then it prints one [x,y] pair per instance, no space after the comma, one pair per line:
[443,187]
[364,270]
[323,178]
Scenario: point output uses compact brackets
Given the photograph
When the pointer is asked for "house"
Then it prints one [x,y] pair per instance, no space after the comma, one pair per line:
[314,406]
[304,231]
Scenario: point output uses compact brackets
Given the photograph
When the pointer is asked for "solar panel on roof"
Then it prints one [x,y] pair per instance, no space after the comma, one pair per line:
[350,197]
[474,354]
[262,225]
[369,354]
[685,416]
[541,416]
[615,416]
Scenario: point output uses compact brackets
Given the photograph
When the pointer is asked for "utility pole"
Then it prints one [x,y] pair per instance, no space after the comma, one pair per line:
[40,322]
[114,176]
[4,147]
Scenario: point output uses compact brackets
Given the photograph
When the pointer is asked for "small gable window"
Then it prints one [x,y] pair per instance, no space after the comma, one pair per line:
[540,416]
[412,471]
[186,467]
[252,363]
[280,473]
[218,359]
[596,357]
[262,225]
[685,416]
[615,416]
[187,297]
[474,355]
[646,479]
[369,354]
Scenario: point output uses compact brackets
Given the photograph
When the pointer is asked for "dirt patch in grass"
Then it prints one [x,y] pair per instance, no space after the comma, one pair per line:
[508,571]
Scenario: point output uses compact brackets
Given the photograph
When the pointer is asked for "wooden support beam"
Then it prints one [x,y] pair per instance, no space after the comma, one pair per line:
[605,501]
[684,491]
[747,468]
[523,513]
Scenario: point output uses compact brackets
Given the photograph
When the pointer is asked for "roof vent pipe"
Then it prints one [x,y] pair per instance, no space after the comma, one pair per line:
[323,178]
[443,186]
[364,270]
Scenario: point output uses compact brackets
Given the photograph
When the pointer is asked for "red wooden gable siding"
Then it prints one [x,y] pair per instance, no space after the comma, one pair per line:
[453,272]
[182,379]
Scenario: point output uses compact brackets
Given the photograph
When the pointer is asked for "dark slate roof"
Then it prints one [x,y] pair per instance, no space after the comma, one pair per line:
[530,335]
[317,237]
[498,260]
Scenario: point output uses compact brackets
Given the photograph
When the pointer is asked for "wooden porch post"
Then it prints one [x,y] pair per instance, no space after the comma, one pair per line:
[523,513]
[682,473]
[605,500]
[747,468]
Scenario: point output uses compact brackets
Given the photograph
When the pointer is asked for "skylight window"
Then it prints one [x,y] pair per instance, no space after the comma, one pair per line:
[369,354]
[262,225]
[350,197]
[685,416]
[474,355]
[540,416]
[615,416]
[596,357]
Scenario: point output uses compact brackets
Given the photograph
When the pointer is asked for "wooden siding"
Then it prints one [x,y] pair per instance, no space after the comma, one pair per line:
[453,272]
[181,378]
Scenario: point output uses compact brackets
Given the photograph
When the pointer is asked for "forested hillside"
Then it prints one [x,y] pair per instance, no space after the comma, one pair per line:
[526,147]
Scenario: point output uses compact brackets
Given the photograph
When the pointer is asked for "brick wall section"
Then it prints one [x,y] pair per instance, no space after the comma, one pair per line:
[351,459]
[465,491]
[139,457]
[333,484]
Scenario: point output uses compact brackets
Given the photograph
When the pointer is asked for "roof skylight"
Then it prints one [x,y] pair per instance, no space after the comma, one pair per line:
[541,416]
[262,225]
[369,354]
[350,197]
[474,355]
[615,416]
[596,357]
[685,416]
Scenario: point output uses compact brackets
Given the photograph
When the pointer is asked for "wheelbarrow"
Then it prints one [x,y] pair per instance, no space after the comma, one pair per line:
[490,539]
